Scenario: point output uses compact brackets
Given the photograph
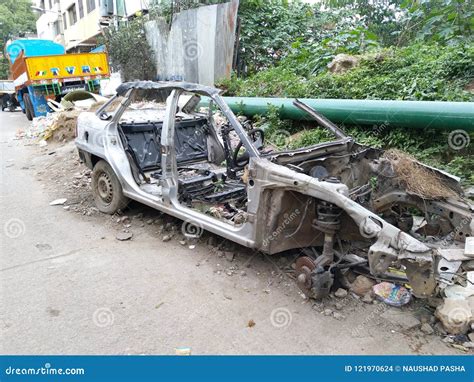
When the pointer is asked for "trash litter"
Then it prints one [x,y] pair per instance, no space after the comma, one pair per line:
[392,294]
[60,125]
[58,202]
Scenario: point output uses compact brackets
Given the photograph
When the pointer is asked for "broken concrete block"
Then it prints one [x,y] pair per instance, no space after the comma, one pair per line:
[469,247]
[123,236]
[340,293]
[404,319]
[362,285]
[455,315]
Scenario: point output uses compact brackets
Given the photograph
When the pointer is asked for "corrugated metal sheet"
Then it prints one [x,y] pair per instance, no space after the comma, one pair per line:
[198,47]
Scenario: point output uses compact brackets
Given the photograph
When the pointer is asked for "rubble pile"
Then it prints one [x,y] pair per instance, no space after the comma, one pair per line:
[60,125]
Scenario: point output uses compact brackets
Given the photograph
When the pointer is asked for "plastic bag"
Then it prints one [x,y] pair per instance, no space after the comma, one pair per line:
[392,294]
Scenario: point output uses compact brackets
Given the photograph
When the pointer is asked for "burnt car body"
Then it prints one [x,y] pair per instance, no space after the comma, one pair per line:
[338,203]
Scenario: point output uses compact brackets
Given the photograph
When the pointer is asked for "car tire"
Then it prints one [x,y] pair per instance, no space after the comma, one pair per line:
[3,101]
[28,107]
[107,190]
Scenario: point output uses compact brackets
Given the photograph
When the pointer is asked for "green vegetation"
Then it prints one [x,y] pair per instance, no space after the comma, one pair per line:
[406,50]
[416,72]
[428,146]
[16,19]
[129,50]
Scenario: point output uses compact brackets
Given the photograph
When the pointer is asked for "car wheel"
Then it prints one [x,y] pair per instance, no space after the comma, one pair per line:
[28,107]
[107,190]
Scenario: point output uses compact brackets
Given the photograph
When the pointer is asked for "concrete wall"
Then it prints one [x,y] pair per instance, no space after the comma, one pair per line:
[198,47]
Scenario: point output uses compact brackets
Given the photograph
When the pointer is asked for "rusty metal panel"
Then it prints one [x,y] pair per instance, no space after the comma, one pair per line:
[199,45]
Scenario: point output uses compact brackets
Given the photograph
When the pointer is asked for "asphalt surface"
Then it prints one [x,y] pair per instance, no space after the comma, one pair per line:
[67,286]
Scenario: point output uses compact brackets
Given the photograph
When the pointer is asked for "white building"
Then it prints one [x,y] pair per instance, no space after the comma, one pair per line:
[76,23]
[48,25]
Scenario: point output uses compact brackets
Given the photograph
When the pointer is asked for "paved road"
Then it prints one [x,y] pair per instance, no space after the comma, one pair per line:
[69,287]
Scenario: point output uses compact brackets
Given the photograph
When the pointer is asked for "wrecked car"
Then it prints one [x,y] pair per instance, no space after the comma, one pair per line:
[338,204]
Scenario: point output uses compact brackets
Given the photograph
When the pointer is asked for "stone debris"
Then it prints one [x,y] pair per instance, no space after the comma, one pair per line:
[368,298]
[167,238]
[58,202]
[327,312]
[340,293]
[123,236]
[342,63]
[455,315]
[229,256]
[362,285]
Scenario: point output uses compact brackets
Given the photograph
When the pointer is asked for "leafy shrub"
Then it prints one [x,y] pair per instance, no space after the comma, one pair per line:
[417,72]
[129,50]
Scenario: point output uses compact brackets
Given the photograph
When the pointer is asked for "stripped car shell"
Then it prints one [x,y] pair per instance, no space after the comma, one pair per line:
[315,200]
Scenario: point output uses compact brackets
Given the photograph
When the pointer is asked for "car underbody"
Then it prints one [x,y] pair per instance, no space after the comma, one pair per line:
[341,205]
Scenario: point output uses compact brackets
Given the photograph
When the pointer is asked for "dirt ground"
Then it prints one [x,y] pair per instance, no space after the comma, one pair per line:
[69,286]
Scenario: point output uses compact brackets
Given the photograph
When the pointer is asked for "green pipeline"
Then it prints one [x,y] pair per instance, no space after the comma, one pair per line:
[411,114]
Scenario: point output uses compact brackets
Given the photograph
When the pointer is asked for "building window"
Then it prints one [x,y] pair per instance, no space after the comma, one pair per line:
[90,5]
[72,14]
[81,8]
[56,30]
[64,21]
